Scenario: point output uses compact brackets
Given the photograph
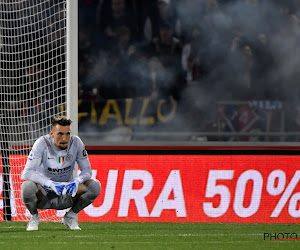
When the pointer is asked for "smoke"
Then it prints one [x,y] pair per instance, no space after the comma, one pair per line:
[249,21]
[264,62]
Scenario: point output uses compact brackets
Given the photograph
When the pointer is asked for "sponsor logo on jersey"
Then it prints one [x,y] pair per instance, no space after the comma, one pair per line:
[59,170]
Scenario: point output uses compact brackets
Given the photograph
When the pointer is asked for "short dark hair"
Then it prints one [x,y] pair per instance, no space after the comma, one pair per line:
[61,120]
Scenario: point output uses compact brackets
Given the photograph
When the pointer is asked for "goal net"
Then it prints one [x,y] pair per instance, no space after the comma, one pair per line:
[32,90]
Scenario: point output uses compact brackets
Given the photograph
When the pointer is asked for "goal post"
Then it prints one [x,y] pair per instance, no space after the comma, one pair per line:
[38,80]
[72,63]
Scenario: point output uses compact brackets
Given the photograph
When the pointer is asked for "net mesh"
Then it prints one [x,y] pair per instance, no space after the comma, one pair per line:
[32,89]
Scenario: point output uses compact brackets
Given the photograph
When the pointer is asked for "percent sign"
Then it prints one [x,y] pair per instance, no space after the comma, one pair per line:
[274,189]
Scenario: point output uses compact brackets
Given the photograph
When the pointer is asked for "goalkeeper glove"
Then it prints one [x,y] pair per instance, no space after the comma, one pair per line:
[57,187]
[71,187]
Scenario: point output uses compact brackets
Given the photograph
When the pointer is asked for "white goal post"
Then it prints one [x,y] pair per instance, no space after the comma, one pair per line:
[38,80]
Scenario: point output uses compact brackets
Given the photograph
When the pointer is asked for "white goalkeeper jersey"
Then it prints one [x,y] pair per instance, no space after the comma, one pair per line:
[46,161]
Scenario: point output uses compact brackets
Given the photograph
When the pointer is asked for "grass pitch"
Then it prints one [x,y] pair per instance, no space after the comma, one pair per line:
[124,235]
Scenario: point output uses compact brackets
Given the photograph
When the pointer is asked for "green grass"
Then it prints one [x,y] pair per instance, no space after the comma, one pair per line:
[13,235]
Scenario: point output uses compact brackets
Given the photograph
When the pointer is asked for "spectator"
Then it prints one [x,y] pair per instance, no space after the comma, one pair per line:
[192,59]
[164,12]
[166,43]
[241,61]
[167,49]
[262,69]
[117,14]
[125,73]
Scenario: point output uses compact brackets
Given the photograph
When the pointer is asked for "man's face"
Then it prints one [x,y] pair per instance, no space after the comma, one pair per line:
[166,34]
[118,7]
[61,136]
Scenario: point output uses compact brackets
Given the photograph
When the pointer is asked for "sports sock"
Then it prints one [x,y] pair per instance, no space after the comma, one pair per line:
[71,213]
[92,192]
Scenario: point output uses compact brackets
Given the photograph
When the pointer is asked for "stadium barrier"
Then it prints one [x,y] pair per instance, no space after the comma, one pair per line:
[191,186]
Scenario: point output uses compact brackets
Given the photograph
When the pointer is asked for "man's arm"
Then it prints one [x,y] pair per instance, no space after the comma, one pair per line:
[85,167]
[30,172]
[83,162]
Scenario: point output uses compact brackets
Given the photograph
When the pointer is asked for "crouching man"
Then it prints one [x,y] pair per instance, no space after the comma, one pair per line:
[48,175]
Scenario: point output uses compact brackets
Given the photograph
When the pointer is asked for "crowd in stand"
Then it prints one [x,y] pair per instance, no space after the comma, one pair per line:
[140,46]
[196,50]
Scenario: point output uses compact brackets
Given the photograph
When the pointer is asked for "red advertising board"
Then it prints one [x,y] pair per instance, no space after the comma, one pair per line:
[196,188]
[188,188]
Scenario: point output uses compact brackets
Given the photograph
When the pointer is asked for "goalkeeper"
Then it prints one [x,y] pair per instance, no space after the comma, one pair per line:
[49,176]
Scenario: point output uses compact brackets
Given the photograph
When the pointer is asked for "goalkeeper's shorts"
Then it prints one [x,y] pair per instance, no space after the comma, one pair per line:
[51,200]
